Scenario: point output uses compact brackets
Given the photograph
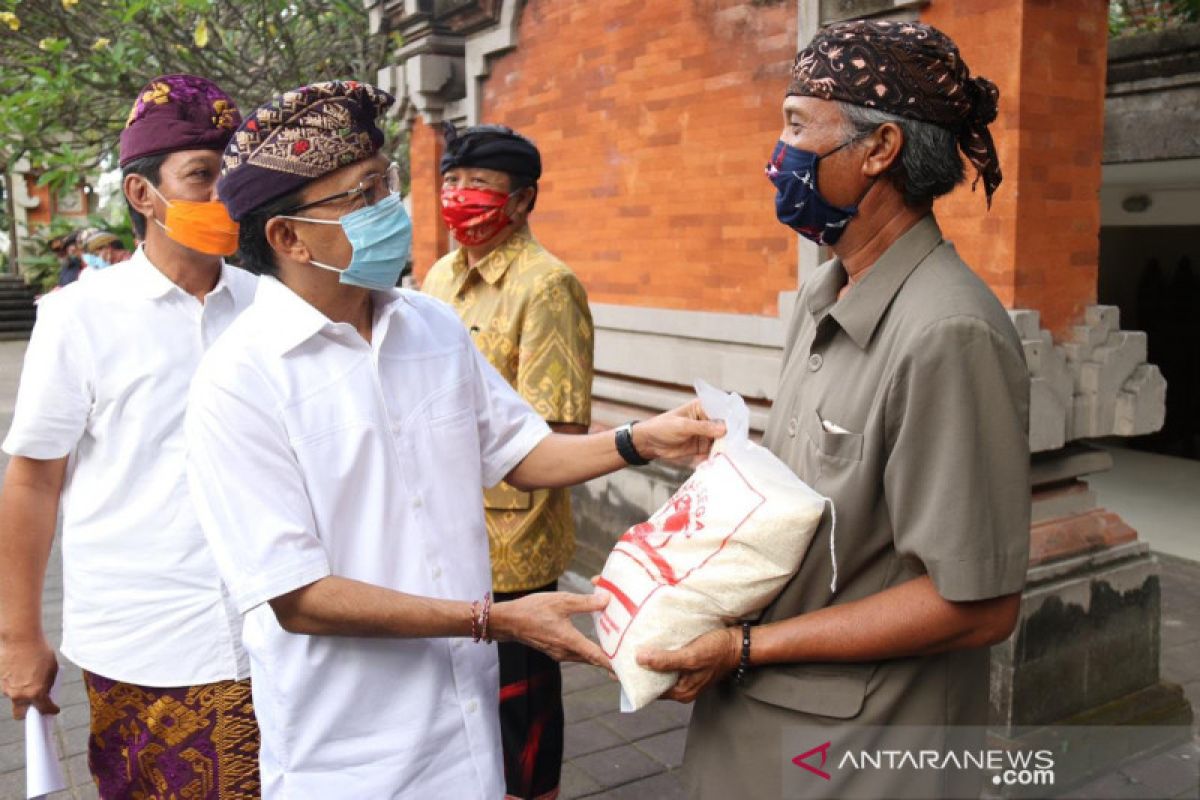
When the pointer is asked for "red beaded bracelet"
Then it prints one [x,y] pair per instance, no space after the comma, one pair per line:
[481,619]
[486,627]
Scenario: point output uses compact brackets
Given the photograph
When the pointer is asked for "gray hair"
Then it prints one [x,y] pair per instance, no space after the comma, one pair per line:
[929,164]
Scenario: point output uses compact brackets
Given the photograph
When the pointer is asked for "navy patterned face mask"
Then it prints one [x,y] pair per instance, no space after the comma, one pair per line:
[798,204]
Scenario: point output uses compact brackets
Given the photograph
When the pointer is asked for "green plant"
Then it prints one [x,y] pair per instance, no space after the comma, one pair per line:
[69,71]
[40,266]
[1142,16]
[41,271]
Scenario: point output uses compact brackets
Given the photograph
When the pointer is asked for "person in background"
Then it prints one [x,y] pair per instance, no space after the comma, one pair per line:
[103,249]
[528,314]
[98,426]
[70,259]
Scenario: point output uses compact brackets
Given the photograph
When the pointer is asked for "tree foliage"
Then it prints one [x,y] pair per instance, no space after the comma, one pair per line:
[1140,16]
[70,69]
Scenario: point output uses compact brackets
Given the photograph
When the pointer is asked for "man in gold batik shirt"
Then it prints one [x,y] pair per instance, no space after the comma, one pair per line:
[528,314]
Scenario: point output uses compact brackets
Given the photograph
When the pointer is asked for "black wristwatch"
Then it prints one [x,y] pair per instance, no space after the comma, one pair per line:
[625,446]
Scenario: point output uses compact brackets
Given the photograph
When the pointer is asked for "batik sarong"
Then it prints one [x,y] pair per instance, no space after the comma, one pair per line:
[190,742]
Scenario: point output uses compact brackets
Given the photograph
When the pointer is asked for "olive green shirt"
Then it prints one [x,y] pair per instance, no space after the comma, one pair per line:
[529,316]
[906,402]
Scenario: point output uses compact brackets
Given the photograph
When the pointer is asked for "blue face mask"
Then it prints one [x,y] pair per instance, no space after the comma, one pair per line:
[381,236]
[798,204]
[94,261]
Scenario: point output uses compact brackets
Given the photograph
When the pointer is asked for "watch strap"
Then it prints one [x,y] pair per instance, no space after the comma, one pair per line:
[625,446]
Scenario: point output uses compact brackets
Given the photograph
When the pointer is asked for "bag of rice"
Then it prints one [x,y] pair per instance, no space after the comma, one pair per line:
[719,550]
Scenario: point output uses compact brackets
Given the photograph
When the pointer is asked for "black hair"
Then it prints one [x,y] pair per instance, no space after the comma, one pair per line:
[254,251]
[150,168]
[518,182]
[496,147]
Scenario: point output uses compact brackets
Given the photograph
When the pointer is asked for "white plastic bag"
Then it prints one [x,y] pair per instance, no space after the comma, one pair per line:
[719,550]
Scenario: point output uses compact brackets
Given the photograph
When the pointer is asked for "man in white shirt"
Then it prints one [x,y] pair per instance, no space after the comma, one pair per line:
[99,425]
[339,438]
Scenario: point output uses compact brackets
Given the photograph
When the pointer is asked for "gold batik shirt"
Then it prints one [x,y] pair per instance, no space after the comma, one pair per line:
[528,315]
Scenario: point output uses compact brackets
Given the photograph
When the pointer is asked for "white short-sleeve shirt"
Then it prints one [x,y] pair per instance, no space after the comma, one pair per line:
[312,452]
[105,382]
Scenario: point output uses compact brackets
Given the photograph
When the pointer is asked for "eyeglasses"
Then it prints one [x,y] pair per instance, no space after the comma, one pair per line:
[370,190]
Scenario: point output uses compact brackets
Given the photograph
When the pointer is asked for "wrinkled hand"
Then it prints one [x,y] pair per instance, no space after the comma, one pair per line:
[27,671]
[680,433]
[705,660]
[543,620]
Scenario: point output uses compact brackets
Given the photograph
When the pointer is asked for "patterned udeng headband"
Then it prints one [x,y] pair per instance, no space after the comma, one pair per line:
[298,137]
[908,69]
[178,112]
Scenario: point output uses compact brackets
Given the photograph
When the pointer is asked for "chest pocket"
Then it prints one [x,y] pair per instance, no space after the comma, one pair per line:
[337,439]
[448,425]
[344,402]
[503,497]
[425,388]
[442,439]
[833,447]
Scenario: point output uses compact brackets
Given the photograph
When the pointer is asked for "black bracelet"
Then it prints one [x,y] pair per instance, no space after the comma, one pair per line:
[744,664]
[625,446]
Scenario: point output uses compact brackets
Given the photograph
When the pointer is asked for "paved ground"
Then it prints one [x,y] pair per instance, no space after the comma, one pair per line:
[611,755]
[632,756]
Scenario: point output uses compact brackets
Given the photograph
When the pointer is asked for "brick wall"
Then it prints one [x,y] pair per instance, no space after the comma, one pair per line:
[430,240]
[43,212]
[654,121]
[1039,245]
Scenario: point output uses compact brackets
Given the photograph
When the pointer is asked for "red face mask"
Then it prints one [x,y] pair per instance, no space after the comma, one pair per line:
[474,215]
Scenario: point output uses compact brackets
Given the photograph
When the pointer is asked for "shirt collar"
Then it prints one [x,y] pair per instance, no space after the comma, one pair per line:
[148,280]
[861,309]
[493,266]
[292,321]
[153,284]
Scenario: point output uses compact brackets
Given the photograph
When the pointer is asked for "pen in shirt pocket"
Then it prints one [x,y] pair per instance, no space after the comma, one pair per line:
[832,427]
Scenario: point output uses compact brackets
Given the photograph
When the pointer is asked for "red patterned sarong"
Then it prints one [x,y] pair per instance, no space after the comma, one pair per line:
[193,742]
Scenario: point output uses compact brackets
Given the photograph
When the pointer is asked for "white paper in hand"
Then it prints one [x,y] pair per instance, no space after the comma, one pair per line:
[43,771]
[719,550]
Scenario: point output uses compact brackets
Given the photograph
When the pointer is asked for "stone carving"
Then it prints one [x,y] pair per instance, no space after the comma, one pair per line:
[1095,384]
[446,52]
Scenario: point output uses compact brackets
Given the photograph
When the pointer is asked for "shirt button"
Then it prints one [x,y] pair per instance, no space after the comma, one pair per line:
[472,707]
[416,502]
[791,427]
[814,362]
[437,572]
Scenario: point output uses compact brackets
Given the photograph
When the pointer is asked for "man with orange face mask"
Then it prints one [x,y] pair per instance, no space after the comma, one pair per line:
[99,424]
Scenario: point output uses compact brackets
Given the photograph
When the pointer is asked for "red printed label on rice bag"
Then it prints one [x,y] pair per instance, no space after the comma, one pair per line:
[680,538]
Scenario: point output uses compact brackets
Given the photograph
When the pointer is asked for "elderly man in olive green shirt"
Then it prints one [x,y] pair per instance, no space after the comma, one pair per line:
[904,398]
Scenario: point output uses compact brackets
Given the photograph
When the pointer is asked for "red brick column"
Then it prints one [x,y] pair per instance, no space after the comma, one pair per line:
[1038,247]
[430,240]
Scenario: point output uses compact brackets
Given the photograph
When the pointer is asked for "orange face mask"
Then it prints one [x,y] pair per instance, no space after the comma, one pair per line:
[203,227]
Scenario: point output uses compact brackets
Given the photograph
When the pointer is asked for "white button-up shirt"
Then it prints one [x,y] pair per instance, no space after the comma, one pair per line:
[105,382]
[313,453]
